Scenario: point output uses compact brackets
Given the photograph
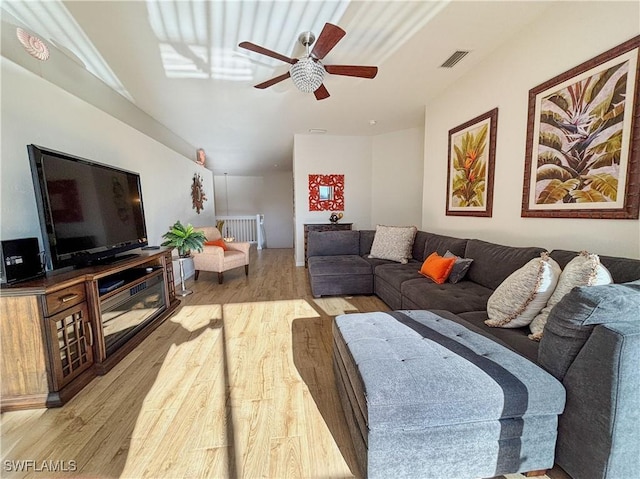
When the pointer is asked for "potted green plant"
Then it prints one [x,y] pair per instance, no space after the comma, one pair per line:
[184,239]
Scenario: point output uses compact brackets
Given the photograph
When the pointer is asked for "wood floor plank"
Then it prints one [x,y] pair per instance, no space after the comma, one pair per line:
[238,383]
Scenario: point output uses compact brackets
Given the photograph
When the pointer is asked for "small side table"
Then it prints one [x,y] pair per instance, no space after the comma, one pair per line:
[183,291]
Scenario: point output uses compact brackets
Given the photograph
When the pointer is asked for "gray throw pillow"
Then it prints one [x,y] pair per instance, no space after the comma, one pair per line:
[460,267]
[572,320]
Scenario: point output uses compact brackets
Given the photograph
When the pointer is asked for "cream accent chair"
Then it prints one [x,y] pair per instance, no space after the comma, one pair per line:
[214,258]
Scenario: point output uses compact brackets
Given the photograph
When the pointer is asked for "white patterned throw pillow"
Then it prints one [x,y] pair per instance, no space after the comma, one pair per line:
[393,243]
[523,294]
[583,270]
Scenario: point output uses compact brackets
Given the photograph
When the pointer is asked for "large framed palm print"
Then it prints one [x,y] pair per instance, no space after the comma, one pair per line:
[583,135]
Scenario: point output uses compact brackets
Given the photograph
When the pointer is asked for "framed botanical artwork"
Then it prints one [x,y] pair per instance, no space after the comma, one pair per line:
[583,140]
[326,192]
[472,152]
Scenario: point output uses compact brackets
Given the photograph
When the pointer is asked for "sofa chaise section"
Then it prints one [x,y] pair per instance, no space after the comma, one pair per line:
[335,265]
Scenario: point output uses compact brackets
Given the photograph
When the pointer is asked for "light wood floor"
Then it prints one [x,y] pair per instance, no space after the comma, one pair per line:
[237,383]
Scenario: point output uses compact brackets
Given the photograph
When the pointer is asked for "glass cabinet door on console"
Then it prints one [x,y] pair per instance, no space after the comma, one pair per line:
[71,343]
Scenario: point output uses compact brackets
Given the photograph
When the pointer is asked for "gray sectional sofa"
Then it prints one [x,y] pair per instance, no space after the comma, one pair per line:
[596,359]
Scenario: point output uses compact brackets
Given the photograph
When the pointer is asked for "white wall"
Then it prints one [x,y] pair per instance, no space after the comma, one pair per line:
[238,195]
[36,111]
[397,166]
[324,155]
[277,206]
[271,195]
[555,43]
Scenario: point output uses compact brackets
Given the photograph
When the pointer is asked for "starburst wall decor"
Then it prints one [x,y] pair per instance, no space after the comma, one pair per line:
[197,193]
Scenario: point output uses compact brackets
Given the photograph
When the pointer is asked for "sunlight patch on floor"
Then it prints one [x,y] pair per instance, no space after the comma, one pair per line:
[334,306]
[229,380]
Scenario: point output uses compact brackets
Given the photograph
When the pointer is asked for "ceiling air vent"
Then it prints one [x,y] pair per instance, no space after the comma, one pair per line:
[453,59]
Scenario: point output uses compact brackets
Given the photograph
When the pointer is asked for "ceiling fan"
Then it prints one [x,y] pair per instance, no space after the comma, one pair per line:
[308,72]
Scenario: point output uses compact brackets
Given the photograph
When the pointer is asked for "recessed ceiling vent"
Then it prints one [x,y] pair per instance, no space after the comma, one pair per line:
[453,59]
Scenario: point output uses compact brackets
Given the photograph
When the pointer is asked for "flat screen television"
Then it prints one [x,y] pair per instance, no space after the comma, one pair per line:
[89,212]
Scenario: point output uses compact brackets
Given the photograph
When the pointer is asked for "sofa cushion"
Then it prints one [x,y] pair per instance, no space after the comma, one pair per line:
[441,244]
[515,338]
[460,297]
[492,263]
[572,320]
[523,294]
[375,262]
[583,270]
[325,243]
[460,267]
[623,270]
[437,268]
[366,240]
[395,274]
[339,265]
[418,251]
[393,242]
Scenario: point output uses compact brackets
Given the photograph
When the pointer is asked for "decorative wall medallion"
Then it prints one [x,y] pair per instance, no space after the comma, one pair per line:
[326,192]
[197,193]
[33,45]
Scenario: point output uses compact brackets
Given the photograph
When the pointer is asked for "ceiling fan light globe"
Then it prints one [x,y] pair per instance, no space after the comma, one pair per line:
[307,74]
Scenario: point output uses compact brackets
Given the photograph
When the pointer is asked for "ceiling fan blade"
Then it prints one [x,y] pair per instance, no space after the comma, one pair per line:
[264,51]
[273,81]
[329,37]
[321,93]
[352,70]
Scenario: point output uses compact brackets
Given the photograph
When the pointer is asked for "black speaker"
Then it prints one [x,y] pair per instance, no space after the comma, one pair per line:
[20,260]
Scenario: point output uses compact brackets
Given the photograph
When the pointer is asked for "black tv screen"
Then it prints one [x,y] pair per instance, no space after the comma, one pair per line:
[89,212]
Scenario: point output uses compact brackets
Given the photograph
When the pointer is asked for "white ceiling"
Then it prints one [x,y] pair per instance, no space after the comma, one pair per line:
[178,61]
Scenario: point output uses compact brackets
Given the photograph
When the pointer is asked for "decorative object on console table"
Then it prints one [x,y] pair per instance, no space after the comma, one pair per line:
[321,227]
[184,239]
[582,158]
[326,192]
[335,217]
[472,152]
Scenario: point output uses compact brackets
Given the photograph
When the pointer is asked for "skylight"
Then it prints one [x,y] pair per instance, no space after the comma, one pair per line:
[199,39]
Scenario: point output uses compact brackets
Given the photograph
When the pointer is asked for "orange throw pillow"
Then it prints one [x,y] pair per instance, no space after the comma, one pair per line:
[219,242]
[437,268]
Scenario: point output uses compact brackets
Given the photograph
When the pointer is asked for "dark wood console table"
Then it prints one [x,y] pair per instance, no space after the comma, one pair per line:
[321,227]
[53,328]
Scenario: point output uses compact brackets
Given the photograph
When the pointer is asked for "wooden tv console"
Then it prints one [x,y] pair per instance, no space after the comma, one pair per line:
[52,335]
